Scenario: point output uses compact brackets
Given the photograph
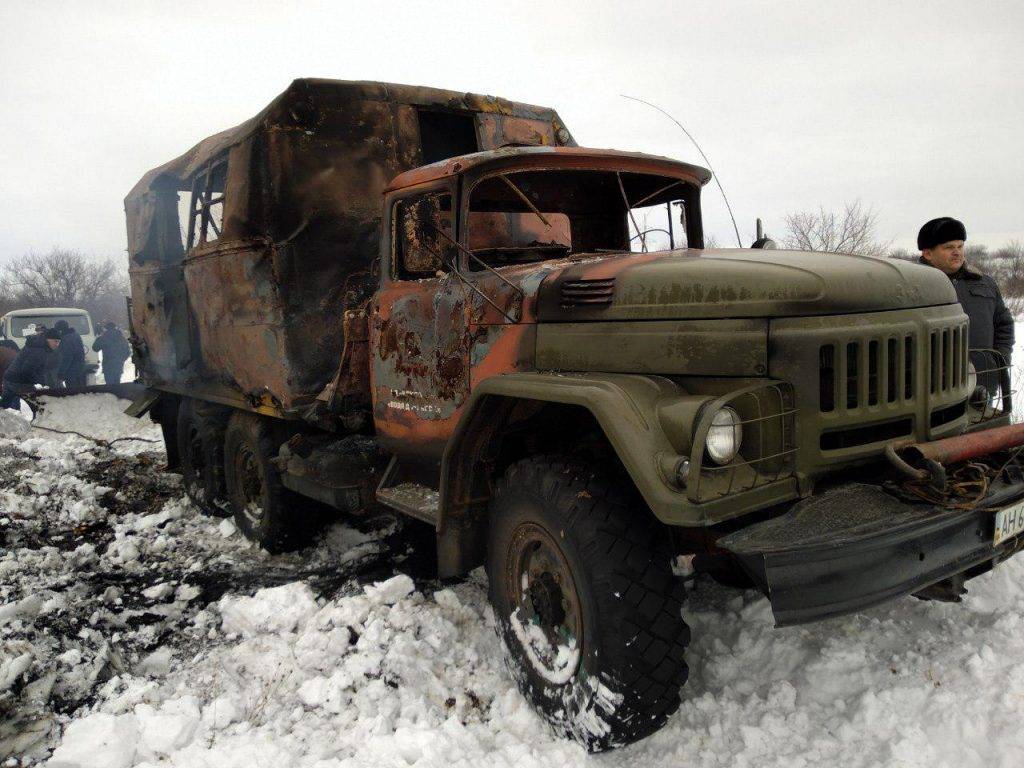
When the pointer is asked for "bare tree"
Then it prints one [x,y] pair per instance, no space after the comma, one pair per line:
[903,254]
[65,278]
[1008,263]
[851,231]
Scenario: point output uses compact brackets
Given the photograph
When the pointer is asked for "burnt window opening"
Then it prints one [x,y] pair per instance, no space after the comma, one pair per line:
[528,216]
[206,210]
[657,227]
[446,134]
[422,235]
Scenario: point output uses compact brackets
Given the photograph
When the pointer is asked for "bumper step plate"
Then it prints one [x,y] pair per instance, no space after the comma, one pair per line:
[857,545]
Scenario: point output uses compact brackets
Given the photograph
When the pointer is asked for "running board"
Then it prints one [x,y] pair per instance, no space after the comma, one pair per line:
[412,499]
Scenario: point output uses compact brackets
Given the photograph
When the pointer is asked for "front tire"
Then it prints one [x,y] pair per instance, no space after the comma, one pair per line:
[586,602]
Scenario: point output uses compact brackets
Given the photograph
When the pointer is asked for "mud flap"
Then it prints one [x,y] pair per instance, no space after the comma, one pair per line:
[142,403]
[857,546]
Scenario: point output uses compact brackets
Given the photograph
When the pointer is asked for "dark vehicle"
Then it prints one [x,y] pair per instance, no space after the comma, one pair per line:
[436,302]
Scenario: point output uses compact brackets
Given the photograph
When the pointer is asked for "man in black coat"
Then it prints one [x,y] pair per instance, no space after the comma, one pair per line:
[114,348]
[70,356]
[942,246]
[28,368]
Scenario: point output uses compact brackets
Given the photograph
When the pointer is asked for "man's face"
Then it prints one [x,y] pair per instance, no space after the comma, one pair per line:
[53,343]
[948,257]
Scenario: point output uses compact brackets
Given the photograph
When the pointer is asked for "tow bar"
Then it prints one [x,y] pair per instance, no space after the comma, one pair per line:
[926,462]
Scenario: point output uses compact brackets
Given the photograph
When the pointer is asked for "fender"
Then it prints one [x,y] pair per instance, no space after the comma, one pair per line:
[648,421]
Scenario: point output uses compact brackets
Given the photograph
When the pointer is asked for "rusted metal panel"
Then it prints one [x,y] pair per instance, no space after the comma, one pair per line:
[963,447]
[258,309]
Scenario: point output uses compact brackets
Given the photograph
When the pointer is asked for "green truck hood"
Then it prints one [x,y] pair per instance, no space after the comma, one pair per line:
[685,284]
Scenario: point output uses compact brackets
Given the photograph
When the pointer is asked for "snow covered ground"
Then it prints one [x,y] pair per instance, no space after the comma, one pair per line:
[136,632]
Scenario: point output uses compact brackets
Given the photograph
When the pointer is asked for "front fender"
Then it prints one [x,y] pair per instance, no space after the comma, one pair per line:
[640,417]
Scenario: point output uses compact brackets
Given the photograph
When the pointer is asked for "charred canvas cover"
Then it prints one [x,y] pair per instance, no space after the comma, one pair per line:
[246,252]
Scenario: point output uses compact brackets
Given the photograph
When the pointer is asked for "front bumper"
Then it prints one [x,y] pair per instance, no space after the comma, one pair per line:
[857,546]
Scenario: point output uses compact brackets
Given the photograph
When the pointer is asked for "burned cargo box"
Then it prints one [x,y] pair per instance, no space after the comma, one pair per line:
[247,251]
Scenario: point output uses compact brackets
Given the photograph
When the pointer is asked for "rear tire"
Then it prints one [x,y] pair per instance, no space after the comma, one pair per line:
[586,602]
[264,510]
[200,448]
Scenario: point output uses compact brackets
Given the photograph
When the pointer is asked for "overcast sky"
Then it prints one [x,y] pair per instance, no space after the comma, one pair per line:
[914,108]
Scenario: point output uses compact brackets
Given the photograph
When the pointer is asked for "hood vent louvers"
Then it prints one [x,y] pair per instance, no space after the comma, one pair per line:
[587,293]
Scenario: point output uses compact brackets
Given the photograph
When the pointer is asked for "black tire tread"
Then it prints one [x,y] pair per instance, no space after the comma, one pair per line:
[643,634]
[284,526]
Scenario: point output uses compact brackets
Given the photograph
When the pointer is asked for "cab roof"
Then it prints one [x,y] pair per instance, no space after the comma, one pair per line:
[524,158]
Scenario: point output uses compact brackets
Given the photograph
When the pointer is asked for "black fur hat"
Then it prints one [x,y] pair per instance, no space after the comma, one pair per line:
[939,231]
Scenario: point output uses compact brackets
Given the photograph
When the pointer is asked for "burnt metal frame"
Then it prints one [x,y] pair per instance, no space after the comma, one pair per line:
[203,201]
[470,186]
[389,231]
[452,186]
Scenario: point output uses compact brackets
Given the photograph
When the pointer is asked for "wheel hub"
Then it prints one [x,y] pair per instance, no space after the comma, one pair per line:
[546,598]
[250,484]
[542,589]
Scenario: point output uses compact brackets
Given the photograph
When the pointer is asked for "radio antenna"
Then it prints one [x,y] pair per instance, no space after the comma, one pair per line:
[706,161]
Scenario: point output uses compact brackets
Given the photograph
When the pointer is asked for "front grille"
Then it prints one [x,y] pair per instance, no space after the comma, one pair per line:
[882,370]
[587,293]
[865,372]
[947,361]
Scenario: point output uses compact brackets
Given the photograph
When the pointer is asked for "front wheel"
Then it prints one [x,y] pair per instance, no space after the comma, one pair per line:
[586,602]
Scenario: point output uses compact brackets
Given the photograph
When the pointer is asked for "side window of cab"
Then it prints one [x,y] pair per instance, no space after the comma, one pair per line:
[422,236]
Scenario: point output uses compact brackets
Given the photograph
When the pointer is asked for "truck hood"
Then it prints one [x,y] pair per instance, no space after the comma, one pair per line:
[684,284]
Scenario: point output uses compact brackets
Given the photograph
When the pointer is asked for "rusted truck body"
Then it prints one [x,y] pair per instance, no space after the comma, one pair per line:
[247,251]
[382,295]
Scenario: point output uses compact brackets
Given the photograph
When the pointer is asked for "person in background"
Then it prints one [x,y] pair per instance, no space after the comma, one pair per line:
[114,348]
[70,356]
[941,242]
[51,362]
[28,368]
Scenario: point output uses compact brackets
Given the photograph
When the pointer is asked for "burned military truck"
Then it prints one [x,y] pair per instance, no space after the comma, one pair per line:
[376,295]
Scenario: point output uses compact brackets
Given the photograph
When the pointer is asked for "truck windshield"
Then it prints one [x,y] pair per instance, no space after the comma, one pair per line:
[25,325]
[526,216]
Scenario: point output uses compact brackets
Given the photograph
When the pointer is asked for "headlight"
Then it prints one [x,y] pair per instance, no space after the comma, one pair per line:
[724,436]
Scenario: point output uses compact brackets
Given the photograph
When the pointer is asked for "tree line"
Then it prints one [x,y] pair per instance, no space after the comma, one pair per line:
[66,278]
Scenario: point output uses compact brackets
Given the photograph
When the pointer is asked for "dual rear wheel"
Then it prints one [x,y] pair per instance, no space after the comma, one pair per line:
[227,467]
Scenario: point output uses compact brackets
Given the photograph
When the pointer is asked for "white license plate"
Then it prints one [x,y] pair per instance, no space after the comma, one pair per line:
[1009,522]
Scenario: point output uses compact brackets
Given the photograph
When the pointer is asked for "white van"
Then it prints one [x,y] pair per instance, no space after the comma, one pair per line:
[20,323]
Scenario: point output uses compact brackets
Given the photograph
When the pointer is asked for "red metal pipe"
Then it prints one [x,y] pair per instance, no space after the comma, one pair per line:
[963,447]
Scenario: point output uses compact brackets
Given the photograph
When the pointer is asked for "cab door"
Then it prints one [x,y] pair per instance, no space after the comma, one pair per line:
[419,330]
